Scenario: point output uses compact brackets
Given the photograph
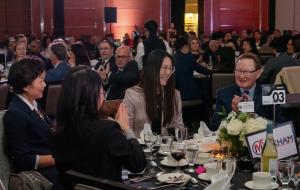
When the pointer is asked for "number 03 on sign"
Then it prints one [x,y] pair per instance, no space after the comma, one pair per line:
[272,94]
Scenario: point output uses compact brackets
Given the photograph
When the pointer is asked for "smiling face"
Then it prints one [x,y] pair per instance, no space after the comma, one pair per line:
[20,50]
[194,45]
[166,70]
[246,47]
[35,90]
[246,73]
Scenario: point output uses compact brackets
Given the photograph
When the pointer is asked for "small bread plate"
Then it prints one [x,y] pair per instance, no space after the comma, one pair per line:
[173,177]
[250,185]
[204,177]
[167,162]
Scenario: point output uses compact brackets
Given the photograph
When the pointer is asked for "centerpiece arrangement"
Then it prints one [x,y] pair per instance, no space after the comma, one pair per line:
[235,126]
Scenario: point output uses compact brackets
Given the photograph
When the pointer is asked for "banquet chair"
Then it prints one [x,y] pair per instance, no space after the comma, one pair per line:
[52,96]
[4,89]
[221,80]
[289,77]
[5,169]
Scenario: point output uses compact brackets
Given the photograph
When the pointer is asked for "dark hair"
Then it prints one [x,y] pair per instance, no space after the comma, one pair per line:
[78,98]
[296,43]
[44,41]
[109,43]
[252,56]
[23,72]
[59,50]
[150,82]
[180,42]
[81,54]
[151,26]
[252,44]
[278,44]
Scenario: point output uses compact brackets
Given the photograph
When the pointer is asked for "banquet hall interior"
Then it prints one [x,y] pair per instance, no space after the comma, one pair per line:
[202,72]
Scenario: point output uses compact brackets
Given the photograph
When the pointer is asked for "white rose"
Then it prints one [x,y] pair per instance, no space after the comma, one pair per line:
[223,124]
[253,125]
[234,127]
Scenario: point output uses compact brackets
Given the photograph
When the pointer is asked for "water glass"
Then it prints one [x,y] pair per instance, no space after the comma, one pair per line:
[191,155]
[165,144]
[150,140]
[284,173]
[296,172]
[181,134]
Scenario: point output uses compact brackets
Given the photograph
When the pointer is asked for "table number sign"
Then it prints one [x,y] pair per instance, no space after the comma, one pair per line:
[273,94]
[284,139]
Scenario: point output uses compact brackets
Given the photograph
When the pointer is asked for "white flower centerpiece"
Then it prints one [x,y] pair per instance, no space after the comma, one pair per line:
[235,126]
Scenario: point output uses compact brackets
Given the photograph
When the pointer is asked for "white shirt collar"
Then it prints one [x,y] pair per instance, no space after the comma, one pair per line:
[32,106]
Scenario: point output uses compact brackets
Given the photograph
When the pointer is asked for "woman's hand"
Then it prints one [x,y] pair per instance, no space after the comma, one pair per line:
[234,103]
[122,117]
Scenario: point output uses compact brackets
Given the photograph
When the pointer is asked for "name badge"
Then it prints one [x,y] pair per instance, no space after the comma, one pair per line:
[247,107]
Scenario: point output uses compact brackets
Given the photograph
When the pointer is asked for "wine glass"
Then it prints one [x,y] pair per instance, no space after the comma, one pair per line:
[296,172]
[181,134]
[150,140]
[284,173]
[177,151]
[191,154]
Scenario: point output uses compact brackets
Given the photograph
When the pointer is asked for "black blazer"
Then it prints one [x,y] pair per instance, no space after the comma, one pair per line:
[100,150]
[119,81]
[27,135]
[225,96]
[111,62]
[185,65]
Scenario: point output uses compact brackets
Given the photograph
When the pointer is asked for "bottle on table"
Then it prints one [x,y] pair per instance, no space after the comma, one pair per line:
[269,154]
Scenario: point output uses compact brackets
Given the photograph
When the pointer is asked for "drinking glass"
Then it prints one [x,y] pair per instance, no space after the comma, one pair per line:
[177,151]
[181,134]
[284,173]
[191,154]
[296,172]
[165,144]
[150,140]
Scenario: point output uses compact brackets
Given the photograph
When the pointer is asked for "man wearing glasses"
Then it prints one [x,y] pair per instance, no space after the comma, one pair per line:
[247,70]
[125,75]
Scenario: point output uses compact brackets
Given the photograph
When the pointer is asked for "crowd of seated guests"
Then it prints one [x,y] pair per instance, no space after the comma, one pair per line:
[152,86]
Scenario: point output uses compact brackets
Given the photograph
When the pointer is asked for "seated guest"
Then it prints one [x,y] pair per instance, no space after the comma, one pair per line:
[247,71]
[86,143]
[78,55]
[34,48]
[274,65]
[226,60]
[248,46]
[58,55]
[106,50]
[154,100]
[26,127]
[124,76]
[185,64]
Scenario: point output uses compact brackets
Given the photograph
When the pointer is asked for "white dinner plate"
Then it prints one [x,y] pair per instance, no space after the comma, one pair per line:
[250,185]
[173,177]
[166,162]
[204,177]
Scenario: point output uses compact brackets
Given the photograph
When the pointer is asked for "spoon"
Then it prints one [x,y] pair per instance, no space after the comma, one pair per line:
[154,164]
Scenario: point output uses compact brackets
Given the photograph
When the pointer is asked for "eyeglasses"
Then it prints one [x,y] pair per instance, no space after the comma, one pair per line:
[121,56]
[166,68]
[245,73]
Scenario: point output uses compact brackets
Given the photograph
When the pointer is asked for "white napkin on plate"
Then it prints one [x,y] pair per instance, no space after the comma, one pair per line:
[219,181]
[204,130]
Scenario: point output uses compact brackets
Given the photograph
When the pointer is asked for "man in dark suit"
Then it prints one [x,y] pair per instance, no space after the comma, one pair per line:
[106,50]
[58,56]
[124,76]
[274,65]
[247,71]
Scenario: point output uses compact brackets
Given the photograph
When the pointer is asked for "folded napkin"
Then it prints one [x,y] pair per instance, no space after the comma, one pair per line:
[146,129]
[204,130]
[219,181]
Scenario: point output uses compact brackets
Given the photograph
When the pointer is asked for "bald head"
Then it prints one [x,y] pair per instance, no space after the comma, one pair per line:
[123,56]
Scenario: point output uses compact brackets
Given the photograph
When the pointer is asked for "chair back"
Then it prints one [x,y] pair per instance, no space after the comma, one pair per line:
[3,95]
[289,76]
[220,80]
[5,170]
[53,92]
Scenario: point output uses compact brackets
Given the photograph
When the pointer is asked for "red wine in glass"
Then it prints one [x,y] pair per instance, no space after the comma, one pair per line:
[178,155]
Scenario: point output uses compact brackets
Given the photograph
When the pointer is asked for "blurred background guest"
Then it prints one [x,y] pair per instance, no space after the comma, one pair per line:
[248,46]
[78,55]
